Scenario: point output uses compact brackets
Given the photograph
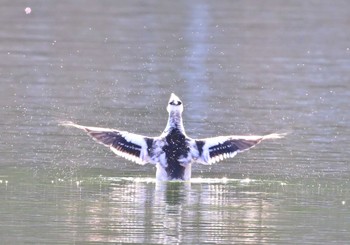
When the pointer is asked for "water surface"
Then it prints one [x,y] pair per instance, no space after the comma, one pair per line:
[247,67]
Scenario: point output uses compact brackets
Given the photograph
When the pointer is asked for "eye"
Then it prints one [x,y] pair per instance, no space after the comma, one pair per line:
[177,103]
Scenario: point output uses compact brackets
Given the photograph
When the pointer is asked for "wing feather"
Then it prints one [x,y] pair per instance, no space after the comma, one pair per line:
[212,150]
[131,146]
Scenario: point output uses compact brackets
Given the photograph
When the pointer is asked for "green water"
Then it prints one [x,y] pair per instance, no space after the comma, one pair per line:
[243,67]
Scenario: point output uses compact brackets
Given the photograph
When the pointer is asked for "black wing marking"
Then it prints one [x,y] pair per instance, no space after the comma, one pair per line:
[134,147]
[212,150]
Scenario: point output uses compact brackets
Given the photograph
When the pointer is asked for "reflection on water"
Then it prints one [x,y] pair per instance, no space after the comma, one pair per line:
[141,210]
[197,50]
[127,210]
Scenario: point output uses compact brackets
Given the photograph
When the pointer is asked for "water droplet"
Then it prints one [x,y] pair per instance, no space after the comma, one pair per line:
[27,10]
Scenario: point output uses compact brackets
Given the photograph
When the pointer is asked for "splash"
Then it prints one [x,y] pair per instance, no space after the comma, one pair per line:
[198,180]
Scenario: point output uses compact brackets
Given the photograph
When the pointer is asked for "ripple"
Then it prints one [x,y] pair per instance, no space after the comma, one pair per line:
[198,180]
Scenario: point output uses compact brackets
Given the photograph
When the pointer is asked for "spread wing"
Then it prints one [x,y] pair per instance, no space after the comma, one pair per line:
[133,147]
[212,150]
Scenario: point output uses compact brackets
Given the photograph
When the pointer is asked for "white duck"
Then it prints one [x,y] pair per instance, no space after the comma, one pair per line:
[173,152]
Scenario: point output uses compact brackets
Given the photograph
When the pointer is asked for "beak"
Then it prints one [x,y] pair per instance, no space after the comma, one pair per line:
[173,97]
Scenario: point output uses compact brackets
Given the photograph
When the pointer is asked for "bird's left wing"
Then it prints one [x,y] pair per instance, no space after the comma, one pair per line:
[212,150]
[131,146]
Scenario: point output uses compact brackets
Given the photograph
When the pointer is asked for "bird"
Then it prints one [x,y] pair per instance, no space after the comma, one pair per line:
[173,152]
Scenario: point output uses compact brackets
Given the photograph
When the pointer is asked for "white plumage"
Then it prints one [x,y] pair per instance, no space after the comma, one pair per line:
[173,152]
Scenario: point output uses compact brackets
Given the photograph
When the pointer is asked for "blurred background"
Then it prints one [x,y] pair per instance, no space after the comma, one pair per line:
[240,67]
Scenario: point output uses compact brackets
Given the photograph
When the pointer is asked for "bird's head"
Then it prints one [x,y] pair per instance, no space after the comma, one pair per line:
[175,104]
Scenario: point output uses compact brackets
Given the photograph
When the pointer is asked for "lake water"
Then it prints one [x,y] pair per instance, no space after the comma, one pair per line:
[240,67]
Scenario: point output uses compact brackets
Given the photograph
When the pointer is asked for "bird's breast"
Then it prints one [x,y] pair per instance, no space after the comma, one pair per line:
[176,153]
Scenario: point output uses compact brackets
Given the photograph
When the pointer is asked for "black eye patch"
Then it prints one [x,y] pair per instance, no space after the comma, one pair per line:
[173,103]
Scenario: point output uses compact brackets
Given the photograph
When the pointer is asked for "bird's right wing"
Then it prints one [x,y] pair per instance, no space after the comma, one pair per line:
[212,150]
[131,146]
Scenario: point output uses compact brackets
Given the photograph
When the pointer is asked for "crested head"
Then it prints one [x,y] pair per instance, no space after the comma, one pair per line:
[175,104]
